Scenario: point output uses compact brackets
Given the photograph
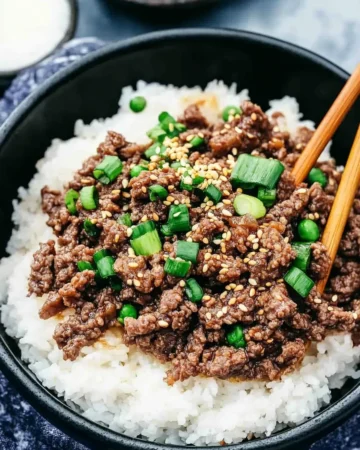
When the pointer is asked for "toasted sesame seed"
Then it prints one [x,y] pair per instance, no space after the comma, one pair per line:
[259,233]
[261,312]
[125,183]
[117,238]
[163,324]
[252,263]
[129,282]
[251,237]
[355,316]
[144,218]
[252,282]
[126,195]
[133,265]
[334,298]
[224,309]
[137,283]
[155,217]
[205,268]
[207,256]
[311,216]
[330,308]
[232,301]
[205,240]
[253,116]
[206,297]
[255,246]
[252,292]
[268,284]
[243,308]
[239,287]
[219,314]
[317,300]
[129,232]
[302,191]
[115,191]
[167,203]
[153,177]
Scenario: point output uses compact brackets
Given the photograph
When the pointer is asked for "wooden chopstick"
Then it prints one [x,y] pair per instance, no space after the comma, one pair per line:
[327,127]
[342,205]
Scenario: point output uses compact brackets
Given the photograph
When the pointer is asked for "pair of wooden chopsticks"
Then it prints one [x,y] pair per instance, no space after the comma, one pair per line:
[351,176]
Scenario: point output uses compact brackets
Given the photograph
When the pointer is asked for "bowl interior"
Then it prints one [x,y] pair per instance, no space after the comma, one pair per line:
[268,68]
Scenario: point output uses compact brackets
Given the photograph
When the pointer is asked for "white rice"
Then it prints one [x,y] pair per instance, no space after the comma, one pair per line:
[124,388]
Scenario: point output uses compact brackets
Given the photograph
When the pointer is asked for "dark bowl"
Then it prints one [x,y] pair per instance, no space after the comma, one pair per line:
[6,77]
[90,88]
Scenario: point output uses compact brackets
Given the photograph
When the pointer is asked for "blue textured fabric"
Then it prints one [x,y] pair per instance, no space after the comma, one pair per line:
[21,427]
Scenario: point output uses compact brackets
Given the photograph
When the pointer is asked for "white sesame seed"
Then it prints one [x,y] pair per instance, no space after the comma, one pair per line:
[243,308]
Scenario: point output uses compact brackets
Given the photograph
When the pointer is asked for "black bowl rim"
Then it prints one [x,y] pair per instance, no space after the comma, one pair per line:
[69,34]
[51,405]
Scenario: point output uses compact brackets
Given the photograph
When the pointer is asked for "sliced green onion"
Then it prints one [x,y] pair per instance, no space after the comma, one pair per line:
[231,111]
[145,239]
[303,255]
[127,310]
[180,127]
[89,197]
[100,255]
[137,104]
[84,265]
[165,120]
[188,182]
[70,199]
[166,230]
[299,281]
[125,219]
[157,192]
[91,229]
[267,196]
[143,228]
[196,141]
[247,204]
[115,284]
[108,170]
[213,193]
[177,268]
[136,171]
[235,336]
[179,219]
[155,150]
[157,133]
[193,290]
[250,171]
[317,175]
[105,267]
[187,250]
[308,230]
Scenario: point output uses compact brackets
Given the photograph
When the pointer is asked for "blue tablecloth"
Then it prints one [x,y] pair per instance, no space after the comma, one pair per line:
[327,26]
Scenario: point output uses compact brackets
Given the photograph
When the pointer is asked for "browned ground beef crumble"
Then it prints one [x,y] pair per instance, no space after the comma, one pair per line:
[241,273]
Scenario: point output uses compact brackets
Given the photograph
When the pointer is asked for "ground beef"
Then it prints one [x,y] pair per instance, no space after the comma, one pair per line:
[241,263]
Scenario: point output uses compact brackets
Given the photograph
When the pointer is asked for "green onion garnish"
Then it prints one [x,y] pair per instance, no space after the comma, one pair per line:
[193,290]
[187,250]
[267,196]
[308,230]
[231,111]
[157,192]
[303,255]
[235,336]
[127,310]
[177,268]
[115,284]
[317,175]
[70,199]
[145,239]
[252,171]
[188,182]
[155,150]
[179,219]
[136,171]
[84,265]
[108,170]
[137,104]
[99,255]
[105,267]
[125,219]
[247,204]
[90,228]
[156,133]
[89,197]
[196,141]
[166,230]
[299,281]
[213,193]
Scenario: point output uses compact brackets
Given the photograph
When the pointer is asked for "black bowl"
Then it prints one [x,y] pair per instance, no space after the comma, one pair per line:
[90,88]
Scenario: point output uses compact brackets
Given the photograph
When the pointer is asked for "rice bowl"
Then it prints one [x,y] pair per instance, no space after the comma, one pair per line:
[129,383]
